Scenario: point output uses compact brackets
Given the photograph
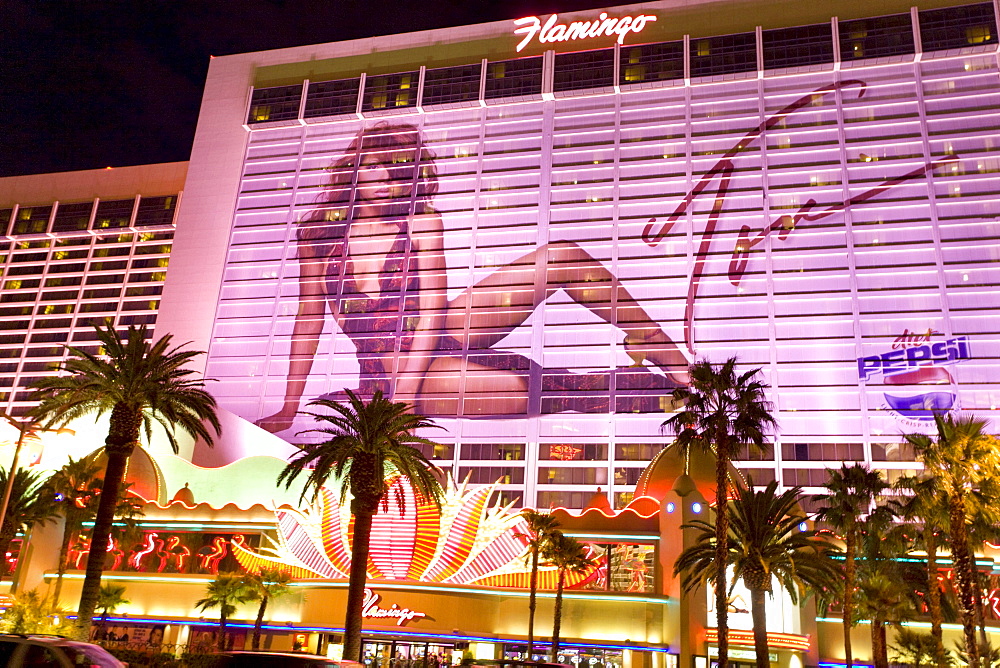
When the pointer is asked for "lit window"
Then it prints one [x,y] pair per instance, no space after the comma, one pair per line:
[704,47]
[978,34]
[260,113]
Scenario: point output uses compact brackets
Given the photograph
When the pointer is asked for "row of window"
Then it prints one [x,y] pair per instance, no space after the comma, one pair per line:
[69,217]
[800,46]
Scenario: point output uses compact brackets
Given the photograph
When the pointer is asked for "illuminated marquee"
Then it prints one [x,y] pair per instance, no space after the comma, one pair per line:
[403,616]
[552,31]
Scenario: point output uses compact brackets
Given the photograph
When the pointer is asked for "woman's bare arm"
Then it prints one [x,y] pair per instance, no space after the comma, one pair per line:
[305,333]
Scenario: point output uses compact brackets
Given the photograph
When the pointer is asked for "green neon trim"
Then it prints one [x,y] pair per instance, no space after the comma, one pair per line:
[613,537]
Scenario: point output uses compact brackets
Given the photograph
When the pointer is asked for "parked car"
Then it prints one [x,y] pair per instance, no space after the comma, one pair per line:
[280,660]
[39,651]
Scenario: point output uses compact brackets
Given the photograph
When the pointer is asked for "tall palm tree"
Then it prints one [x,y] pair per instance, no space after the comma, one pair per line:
[76,490]
[723,411]
[265,586]
[366,442]
[767,543]
[31,503]
[140,384]
[888,583]
[963,460]
[540,528]
[225,592]
[851,491]
[929,516]
[568,555]
[111,597]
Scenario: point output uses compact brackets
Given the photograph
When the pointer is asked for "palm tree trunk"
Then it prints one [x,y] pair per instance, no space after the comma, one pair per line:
[557,614]
[722,546]
[758,610]
[358,578]
[259,623]
[849,578]
[977,579]
[6,538]
[934,597]
[221,644]
[963,567]
[121,440]
[70,527]
[880,652]
[533,585]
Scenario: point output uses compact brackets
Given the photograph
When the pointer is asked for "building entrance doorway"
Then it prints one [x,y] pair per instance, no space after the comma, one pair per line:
[406,654]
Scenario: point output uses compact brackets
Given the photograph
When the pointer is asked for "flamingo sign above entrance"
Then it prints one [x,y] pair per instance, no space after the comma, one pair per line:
[603,25]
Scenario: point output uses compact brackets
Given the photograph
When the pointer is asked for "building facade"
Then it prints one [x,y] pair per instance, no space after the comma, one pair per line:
[79,248]
[529,228]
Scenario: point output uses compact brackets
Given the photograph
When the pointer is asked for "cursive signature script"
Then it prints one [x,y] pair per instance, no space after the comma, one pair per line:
[721,173]
[562,32]
[370,610]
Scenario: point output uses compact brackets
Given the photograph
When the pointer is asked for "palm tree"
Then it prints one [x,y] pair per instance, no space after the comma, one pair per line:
[963,460]
[851,491]
[140,384]
[30,503]
[76,490]
[722,411]
[540,528]
[225,592]
[887,582]
[110,598]
[918,650]
[266,585]
[766,543]
[568,555]
[930,517]
[367,441]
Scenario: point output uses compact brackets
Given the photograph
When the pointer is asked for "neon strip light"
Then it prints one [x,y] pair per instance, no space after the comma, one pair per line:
[918,625]
[301,628]
[776,640]
[214,527]
[436,588]
[612,538]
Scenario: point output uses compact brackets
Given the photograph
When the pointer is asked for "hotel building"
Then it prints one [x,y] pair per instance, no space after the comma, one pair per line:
[527,228]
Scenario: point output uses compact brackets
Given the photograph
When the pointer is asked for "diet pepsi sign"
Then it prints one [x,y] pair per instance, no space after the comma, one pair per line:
[906,360]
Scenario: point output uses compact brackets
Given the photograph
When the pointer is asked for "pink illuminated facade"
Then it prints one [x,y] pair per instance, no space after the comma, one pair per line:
[530,245]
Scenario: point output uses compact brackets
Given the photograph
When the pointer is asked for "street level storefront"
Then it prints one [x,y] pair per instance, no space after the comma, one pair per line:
[445,584]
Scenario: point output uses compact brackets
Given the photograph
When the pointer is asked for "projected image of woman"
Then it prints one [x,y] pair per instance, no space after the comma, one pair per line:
[372,253]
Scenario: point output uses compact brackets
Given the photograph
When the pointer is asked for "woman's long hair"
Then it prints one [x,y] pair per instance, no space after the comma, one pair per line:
[337,204]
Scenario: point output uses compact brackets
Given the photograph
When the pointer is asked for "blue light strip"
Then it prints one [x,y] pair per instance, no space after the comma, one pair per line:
[368,632]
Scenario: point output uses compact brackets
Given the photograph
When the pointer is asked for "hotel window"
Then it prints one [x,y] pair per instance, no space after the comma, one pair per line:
[5,217]
[795,47]
[113,213]
[446,85]
[628,476]
[493,451]
[727,54]
[876,37]
[487,475]
[893,452]
[560,499]
[280,103]
[390,91]
[332,98]
[652,62]
[155,211]
[637,452]
[32,220]
[72,217]
[957,27]
[565,475]
[586,69]
[574,452]
[435,451]
[514,78]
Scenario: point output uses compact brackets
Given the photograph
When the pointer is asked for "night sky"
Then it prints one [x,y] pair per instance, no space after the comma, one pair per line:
[89,83]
